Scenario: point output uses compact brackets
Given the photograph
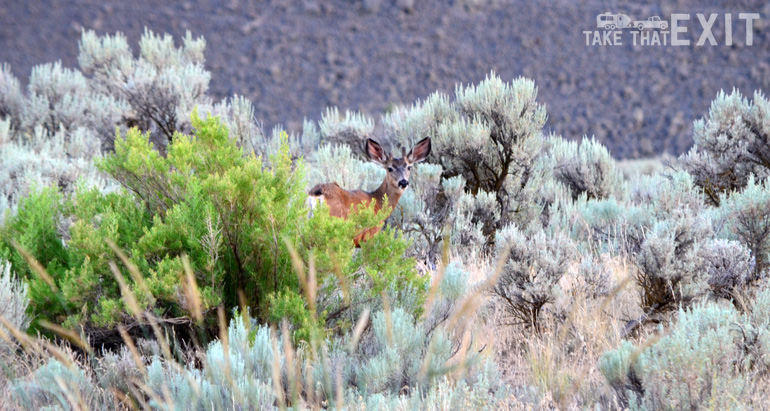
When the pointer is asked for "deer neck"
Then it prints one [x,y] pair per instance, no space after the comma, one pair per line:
[386,189]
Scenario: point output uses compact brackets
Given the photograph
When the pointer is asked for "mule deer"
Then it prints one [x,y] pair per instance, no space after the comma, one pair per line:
[396,181]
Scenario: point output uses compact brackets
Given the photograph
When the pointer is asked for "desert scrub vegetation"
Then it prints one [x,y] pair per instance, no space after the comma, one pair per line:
[204,208]
[156,252]
[731,144]
[486,140]
[585,168]
[705,359]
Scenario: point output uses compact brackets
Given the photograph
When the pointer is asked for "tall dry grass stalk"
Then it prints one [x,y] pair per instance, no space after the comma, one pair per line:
[561,362]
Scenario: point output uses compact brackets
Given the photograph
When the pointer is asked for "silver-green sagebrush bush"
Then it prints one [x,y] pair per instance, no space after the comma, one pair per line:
[695,365]
[619,224]
[161,86]
[238,113]
[436,208]
[596,225]
[400,361]
[666,192]
[744,216]
[42,159]
[754,338]
[301,145]
[155,91]
[585,168]
[729,266]
[490,134]
[660,226]
[475,220]
[594,276]
[51,133]
[339,163]
[352,129]
[535,264]
[422,211]
[11,98]
[13,303]
[710,357]
[731,144]
[669,265]
[59,99]
[57,386]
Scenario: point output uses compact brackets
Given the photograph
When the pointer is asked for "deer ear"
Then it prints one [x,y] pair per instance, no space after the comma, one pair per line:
[420,151]
[375,152]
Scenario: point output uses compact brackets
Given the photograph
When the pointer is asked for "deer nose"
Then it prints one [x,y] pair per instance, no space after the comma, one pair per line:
[403,183]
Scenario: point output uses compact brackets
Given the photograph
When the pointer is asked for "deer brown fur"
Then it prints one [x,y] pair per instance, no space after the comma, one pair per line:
[393,186]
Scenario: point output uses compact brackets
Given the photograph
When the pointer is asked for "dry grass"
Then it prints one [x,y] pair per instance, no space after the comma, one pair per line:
[558,369]
[555,369]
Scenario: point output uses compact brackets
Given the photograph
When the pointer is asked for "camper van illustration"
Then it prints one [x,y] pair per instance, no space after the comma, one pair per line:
[613,21]
[610,21]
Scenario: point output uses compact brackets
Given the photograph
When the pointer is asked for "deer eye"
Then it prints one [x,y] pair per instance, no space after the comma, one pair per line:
[390,169]
[408,167]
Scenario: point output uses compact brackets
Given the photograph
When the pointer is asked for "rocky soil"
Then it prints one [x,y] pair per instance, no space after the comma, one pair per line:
[293,58]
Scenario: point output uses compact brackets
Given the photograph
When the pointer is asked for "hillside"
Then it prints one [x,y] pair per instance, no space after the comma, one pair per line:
[294,58]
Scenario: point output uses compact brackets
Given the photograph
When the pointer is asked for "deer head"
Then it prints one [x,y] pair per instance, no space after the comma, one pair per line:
[399,169]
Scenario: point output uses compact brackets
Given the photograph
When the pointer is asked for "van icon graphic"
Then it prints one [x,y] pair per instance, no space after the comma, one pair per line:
[653,22]
[614,21]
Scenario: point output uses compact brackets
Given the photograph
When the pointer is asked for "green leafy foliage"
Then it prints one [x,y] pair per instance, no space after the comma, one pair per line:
[195,215]
[235,219]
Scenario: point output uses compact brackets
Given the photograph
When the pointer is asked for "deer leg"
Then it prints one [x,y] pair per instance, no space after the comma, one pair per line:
[365,235]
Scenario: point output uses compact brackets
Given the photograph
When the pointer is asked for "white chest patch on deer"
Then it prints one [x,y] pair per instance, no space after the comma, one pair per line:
[341,202]
[313,202]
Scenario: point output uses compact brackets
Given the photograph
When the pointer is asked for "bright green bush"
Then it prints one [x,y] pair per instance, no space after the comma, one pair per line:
[219,207]
[35,228]
[233,217]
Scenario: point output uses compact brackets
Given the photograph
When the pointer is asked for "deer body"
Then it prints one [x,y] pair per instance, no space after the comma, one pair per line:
[341,201]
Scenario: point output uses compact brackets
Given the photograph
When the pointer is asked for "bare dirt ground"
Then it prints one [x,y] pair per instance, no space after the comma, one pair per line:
[293,58]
